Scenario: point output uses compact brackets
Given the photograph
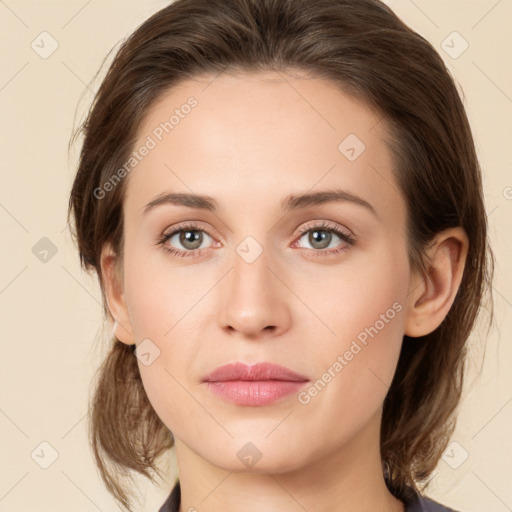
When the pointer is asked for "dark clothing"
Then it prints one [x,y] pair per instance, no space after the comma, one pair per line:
[418,504]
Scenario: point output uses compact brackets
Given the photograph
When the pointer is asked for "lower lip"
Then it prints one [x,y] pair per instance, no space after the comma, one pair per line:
[257,392]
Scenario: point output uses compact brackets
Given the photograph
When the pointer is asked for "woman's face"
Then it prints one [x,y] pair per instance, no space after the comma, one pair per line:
[264,277]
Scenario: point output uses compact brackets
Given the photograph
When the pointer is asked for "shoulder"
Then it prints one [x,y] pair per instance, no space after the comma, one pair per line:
[424,504]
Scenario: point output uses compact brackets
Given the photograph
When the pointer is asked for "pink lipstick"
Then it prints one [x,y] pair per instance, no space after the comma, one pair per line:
[260,384]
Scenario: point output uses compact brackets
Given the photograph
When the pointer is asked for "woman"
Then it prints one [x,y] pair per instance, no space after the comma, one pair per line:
[284,207]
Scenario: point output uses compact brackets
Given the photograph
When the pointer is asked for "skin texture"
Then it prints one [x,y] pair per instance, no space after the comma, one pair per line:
[252,140]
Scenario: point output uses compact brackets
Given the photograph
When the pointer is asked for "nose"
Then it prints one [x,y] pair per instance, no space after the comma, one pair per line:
[254,300]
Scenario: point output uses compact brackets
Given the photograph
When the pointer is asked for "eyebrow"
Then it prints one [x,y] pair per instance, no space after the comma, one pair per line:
[292,202]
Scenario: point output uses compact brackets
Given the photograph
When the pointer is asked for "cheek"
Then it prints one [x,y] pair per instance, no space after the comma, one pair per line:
[369,288]
[165,309]
[364,306]
[158,295]
[173,402]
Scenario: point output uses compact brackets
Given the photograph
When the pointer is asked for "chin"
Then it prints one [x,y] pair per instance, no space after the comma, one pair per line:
[257,456]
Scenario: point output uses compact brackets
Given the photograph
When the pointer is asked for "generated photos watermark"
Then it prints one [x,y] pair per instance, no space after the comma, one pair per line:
[361,341]
[151,142]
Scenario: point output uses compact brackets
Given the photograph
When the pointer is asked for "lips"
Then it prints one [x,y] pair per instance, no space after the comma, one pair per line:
[258,372]
[257,385]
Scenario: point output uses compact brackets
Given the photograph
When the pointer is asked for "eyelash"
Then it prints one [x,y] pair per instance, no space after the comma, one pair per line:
[323,226]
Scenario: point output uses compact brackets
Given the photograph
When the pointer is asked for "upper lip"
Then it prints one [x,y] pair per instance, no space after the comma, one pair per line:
[259,371]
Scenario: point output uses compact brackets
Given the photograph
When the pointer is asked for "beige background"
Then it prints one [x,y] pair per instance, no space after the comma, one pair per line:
[50,311]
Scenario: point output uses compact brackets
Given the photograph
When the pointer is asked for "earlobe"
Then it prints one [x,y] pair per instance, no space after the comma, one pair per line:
[432,295]
[115,296]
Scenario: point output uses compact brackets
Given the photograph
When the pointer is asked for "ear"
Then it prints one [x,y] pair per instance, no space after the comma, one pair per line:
[113,282]
[431,296]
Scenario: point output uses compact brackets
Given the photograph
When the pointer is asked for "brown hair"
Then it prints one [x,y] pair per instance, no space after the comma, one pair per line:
[364,48]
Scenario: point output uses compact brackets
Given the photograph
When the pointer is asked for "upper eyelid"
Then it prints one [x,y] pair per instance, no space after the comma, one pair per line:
[327,225]
[186,225]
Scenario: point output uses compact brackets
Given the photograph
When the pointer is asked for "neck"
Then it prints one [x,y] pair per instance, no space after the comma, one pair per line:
[347,479]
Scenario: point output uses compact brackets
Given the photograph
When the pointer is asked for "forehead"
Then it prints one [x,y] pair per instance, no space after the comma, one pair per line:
[265,132]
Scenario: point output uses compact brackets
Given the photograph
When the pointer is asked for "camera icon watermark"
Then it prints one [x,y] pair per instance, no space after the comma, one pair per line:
[44,455]
[44,45]
[44,250]
[249,454]
[147,352]
[351,147]
[455,455]
[454,45]
[249,249]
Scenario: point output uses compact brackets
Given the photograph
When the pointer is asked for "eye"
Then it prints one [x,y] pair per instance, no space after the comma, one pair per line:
[320,236]
[192,237]
[189,236]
